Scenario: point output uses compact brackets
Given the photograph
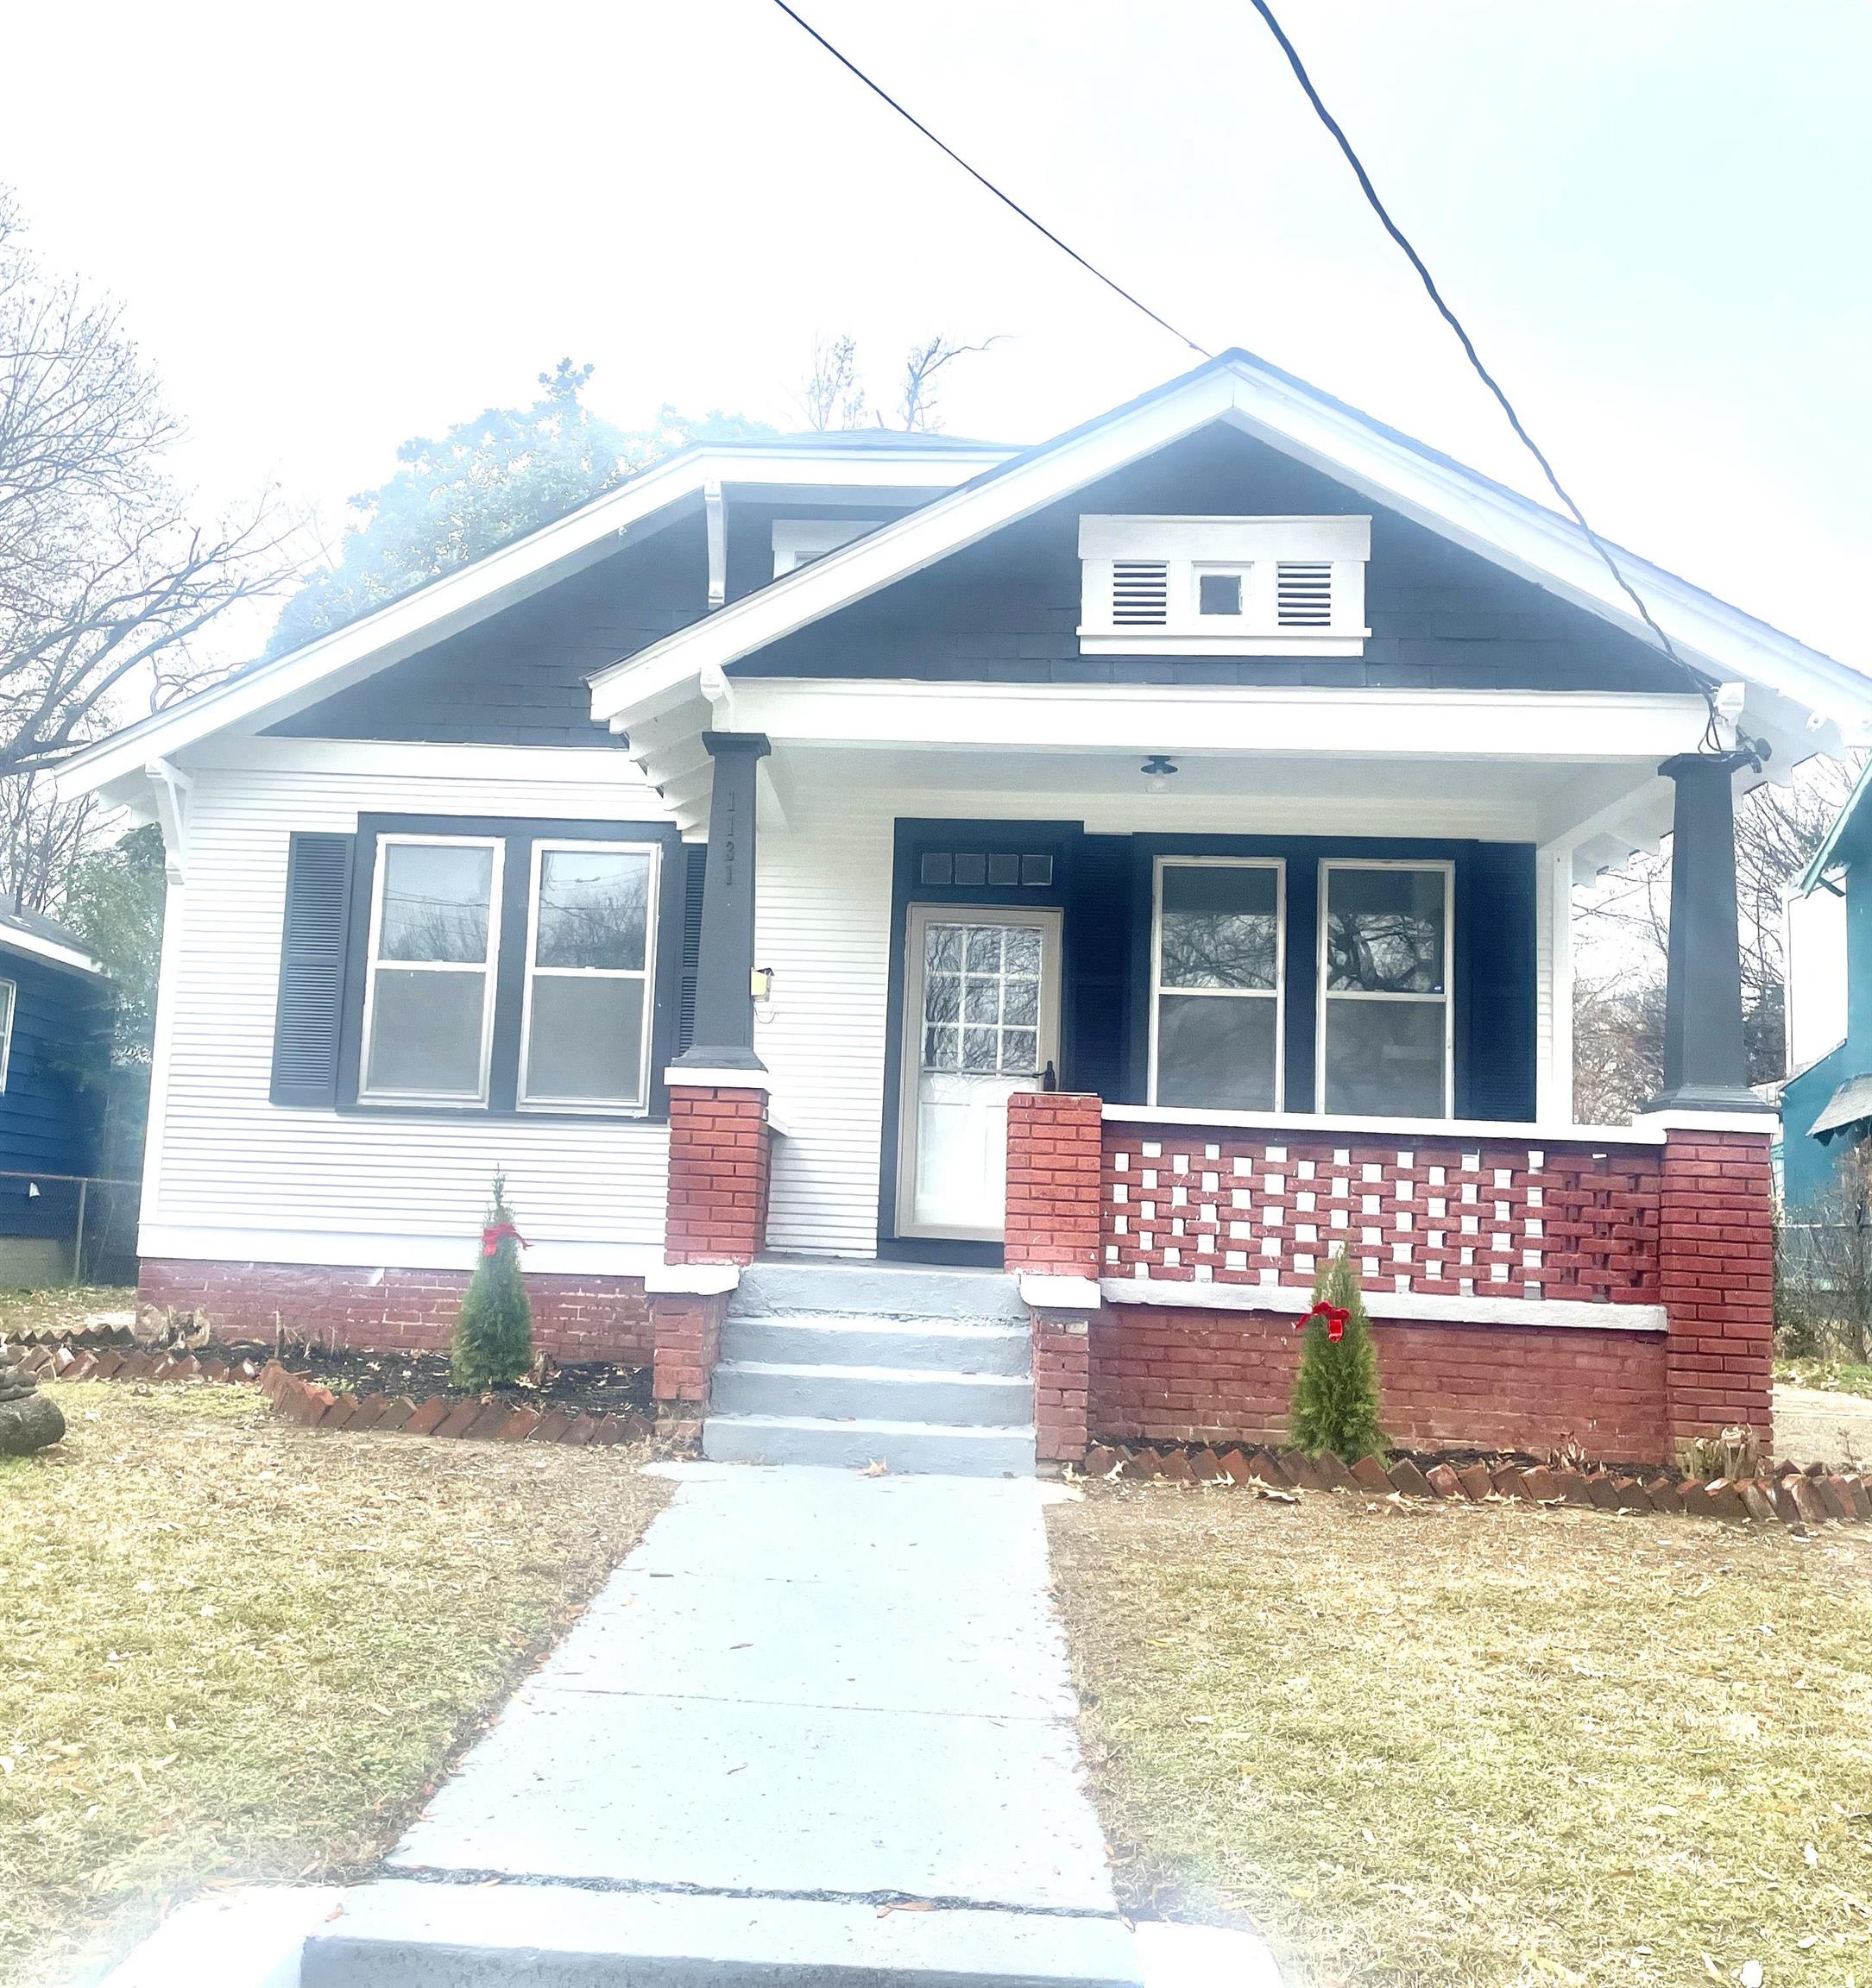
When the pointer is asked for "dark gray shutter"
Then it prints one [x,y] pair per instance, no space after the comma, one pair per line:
[1496,943]
[305,1023]
[695,856]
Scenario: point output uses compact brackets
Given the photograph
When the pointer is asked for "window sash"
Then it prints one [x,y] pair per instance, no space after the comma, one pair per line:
[9,995]
[645,974]
[1446,1000]
[386,1093]
[1276,993]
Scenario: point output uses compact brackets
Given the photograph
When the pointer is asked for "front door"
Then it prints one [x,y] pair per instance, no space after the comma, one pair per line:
[981,1019]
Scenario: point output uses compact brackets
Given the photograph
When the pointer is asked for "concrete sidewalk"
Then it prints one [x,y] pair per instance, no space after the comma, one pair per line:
[806,1695]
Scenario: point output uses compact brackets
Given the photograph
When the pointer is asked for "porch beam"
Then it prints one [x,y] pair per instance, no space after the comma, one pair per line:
[1705,1060]
[723,1036]
[1189,719]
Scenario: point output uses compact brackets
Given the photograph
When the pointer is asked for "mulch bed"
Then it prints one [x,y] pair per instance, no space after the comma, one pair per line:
[593,1389]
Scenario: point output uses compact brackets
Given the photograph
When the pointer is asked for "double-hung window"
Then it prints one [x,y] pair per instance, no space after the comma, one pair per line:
[1385,1018]
[429,991]
[590,948]
[1216,974]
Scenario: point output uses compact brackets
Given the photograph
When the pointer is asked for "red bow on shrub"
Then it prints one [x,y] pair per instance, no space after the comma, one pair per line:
[1336,1318]
[495,1233]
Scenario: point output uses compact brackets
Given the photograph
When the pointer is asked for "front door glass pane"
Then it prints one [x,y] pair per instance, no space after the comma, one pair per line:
[981,999]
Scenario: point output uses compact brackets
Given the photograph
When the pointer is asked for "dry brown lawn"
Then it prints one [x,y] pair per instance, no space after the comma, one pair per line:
[230,1648]
[1481,1747]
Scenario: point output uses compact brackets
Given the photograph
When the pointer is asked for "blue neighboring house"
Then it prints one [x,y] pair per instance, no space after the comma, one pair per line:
[55,1004]
[1826,1108]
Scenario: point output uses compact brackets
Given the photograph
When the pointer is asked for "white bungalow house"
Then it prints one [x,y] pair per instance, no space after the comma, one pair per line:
[1211,781]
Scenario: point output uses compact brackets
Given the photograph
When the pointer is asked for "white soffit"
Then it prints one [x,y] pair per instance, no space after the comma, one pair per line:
[267,691]
[1803,685]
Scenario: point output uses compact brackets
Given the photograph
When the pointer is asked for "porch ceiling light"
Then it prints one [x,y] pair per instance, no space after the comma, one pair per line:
[1158,770]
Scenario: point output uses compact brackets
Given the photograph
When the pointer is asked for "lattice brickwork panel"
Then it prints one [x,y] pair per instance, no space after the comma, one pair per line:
[1440,1216]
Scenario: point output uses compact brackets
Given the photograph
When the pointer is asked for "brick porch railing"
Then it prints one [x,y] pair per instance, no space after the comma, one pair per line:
[1528,1287]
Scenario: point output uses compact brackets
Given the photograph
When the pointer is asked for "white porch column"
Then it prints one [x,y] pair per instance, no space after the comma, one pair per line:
[1554,934]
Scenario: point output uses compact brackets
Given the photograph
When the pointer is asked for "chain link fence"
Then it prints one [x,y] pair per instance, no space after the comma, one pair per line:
[1823,1290]
[67,1228]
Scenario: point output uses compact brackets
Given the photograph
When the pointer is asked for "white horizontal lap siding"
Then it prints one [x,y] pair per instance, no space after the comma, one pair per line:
[823,917]
[231,1160]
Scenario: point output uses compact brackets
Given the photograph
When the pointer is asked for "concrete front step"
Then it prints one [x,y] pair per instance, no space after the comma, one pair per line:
[871,1394]
[878,1291]
[404,1935]
[837,1339]
[923,1448]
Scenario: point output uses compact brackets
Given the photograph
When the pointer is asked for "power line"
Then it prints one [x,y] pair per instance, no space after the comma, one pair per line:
[1712,735]
[983,180]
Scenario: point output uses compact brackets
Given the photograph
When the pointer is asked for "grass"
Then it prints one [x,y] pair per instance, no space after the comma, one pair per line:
[230,1648]
[1480,1747]
[1837,1376]
[60,1306]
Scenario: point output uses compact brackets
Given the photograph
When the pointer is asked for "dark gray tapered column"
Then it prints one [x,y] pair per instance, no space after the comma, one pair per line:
[1706,1063]
[723,1036]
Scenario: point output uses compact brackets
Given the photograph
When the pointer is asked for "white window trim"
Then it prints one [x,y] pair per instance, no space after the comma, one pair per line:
[636,1107]
[1256,548]
[1447,997]
[488,970]
[799,541]
[1277,993]
[9,999]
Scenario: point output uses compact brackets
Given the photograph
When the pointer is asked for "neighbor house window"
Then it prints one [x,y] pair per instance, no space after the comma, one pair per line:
[1215,1035]
[1385,1008]
[9,995]
[589,965]
[429,994]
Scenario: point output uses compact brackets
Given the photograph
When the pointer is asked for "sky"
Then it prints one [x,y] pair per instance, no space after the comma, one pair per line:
[331,227]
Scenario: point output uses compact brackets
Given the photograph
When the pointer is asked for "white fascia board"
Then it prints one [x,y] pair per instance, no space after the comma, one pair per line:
[913,541]
[34,946]
[1589,727]
[1497,524]
[499,580]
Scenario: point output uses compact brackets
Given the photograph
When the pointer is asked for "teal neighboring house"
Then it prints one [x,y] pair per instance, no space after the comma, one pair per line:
[1826,1107]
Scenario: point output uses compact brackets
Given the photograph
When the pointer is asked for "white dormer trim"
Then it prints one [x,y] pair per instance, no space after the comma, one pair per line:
[1187,586]
[799,541]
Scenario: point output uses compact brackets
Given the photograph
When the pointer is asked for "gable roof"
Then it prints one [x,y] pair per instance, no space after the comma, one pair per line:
[36,936]
[1800,684]
[1844,842]
[882,460]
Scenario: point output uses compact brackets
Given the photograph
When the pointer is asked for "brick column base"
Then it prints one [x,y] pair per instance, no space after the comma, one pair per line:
[1717,1246]
[718,1143]
[1054,1161]
[1061,1383]
[688,1327]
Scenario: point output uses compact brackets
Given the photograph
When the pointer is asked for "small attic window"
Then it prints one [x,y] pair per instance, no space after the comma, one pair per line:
[1161,586]
[799,541]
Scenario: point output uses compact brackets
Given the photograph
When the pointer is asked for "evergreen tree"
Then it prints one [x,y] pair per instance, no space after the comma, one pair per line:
[493,1331]
[1335,1405]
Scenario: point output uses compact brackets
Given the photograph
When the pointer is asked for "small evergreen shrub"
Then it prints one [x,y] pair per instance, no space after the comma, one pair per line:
[1335,1405]
[493,1331]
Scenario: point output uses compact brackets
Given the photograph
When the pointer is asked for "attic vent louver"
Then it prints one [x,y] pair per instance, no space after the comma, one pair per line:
[1140,593]
[1179,585]
[1303,590]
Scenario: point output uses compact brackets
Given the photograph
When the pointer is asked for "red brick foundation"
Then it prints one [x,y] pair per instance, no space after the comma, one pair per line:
[395,1311]
[1178,1375]
[1718,1244]
[719,1146]
[1060,1386]
[689,1342]
[1053,1159]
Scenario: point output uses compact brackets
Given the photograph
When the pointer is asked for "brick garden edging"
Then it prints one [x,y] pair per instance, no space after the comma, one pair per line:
[63,1359]
[303,1400]
[1812,1496]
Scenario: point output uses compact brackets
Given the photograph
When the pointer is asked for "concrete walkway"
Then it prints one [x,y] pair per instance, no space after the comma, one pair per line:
[806,1695]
